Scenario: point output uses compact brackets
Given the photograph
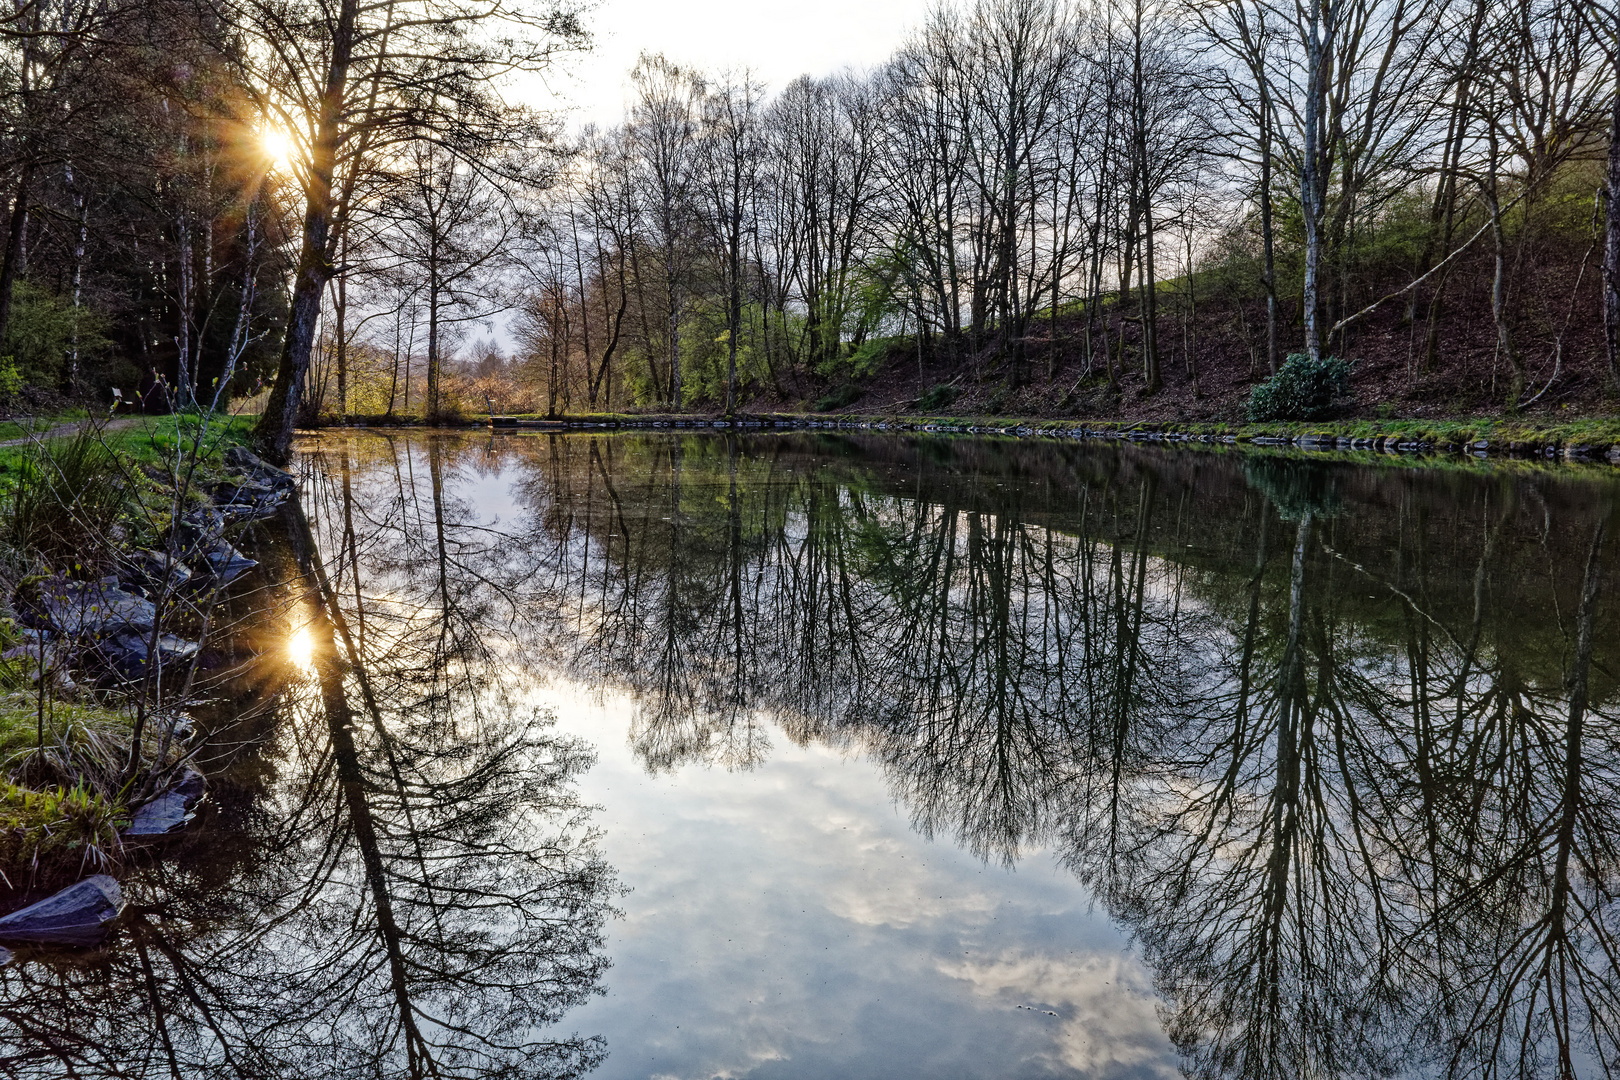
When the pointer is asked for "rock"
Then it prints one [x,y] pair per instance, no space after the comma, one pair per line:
[82,609]
[226,564]
[162,815]
[243,459]
[79,915]
[130,652]
[191,785]
[156,569]
[197,531]
[250,511]
[240,489]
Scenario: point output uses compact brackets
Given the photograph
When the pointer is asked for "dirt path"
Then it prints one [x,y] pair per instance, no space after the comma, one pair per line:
[62,431]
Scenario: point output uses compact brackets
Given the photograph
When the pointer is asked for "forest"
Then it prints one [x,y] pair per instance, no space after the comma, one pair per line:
[1108,208]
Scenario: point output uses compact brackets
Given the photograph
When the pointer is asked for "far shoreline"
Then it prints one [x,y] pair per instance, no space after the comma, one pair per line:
[1590,440]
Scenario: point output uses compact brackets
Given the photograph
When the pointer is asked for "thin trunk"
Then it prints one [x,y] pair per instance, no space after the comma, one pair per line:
[16,244]
[1611,254]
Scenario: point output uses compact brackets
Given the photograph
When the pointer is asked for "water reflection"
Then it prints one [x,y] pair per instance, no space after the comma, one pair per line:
[396,878]
[1336,744]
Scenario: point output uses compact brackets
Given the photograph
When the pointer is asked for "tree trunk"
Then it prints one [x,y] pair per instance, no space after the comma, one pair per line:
[343,337]
[1312,184]
[1268,241]
[16,244]
[1611,254]
[273,434]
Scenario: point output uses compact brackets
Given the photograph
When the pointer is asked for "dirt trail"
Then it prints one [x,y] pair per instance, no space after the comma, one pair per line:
[62,431]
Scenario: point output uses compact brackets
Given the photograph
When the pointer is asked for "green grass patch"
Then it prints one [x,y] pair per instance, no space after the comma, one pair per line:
[60,810]
[56,832]
[156,439]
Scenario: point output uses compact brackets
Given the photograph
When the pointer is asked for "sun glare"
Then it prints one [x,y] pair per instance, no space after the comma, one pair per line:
[301,650]
[278,147]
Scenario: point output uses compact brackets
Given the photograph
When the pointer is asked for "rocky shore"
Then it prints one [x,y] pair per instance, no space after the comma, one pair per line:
[122,650]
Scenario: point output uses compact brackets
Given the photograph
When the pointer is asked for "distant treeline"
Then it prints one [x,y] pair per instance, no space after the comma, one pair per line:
[1027,187]
[204,193]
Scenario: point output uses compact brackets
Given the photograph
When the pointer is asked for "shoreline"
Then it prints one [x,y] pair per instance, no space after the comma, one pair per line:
[1588,440]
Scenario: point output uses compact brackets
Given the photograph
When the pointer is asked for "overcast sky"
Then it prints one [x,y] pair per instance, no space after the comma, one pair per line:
[778,40]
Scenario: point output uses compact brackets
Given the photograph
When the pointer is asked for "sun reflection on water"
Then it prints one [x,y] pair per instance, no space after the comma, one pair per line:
[301,650]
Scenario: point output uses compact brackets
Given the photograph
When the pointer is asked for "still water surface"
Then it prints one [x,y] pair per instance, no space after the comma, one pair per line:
[806,756]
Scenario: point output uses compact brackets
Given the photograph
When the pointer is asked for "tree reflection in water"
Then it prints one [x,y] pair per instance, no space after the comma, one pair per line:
[1337,744]
[401,881]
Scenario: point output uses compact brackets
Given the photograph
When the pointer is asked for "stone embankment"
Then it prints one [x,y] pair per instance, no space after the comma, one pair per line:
[1312,441]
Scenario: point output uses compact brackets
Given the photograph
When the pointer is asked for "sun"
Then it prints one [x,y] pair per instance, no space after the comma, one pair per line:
[278,147]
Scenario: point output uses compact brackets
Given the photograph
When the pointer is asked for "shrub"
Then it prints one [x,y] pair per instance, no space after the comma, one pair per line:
[41,333]
[1302,389]
[837,399]
[938,397]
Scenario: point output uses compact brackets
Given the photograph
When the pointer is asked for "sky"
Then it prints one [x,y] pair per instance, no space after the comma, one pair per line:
[778,40]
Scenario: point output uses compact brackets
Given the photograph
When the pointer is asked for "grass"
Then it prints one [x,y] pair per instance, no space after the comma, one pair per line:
[55,833]
[155,439]
[60,809]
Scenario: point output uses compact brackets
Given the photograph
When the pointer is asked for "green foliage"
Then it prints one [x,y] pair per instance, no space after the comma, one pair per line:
[11,379]
[41,332]
[67,828]
[65,494]
[1302,389]
[938,397]
[866,360]
[840,397]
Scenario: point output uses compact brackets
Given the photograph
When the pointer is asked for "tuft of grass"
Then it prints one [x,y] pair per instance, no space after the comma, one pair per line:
[56,832]
[62,497]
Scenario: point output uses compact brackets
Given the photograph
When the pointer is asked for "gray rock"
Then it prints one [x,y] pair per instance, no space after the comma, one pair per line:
[162,815]
[245,460]
[199,530]
[91,609]
[79,915]
[156,569]
[131,652]
[226,564]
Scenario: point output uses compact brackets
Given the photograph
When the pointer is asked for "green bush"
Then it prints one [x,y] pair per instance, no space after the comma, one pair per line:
[938,397]
[1303,389]
[838,398]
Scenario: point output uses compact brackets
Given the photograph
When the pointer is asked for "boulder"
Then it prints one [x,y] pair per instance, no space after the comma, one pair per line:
[131,652]
[162,815]
[226,564]
[79,915]
[92,609]
[169,811]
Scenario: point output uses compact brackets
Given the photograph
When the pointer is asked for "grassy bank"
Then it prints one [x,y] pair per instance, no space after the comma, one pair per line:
[86,738]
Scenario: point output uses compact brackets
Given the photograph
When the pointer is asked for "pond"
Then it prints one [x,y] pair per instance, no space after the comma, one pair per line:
[807,755]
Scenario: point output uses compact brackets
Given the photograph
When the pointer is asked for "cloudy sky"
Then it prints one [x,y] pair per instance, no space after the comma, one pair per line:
[778,40]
